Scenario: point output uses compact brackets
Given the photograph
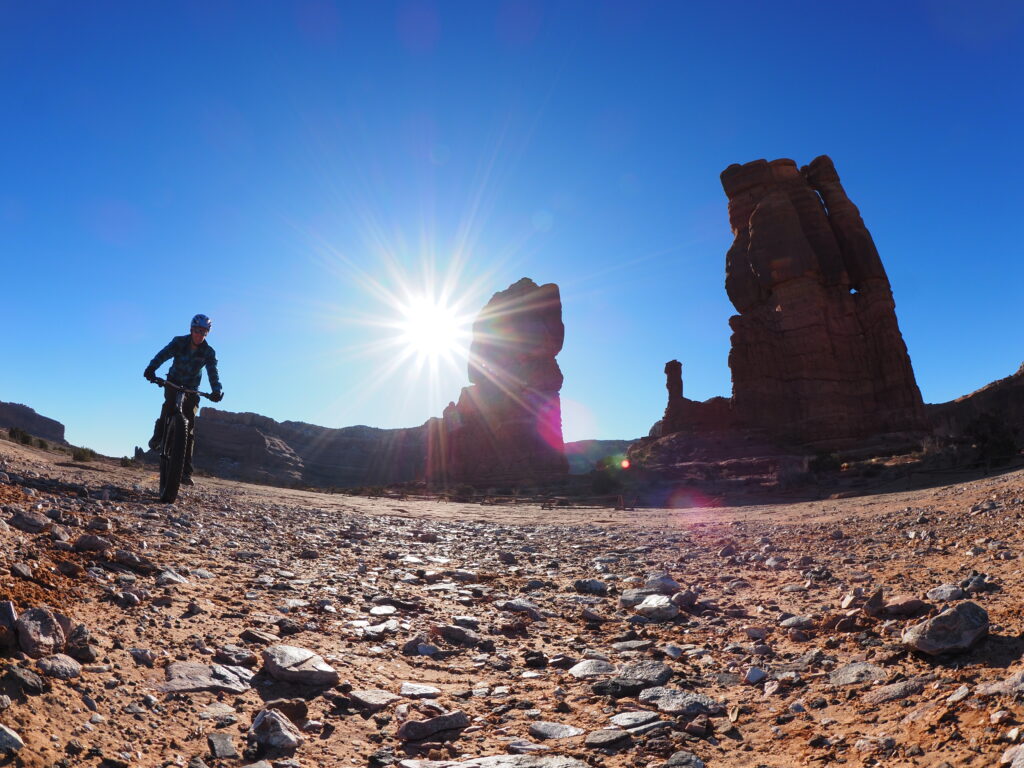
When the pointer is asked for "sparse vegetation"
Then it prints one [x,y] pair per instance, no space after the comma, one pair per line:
[464,492]
[993,441]
[824,463]
[83,454]
[40,443]
[18,435]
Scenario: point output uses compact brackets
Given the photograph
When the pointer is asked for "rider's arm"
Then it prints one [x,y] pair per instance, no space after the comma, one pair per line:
[211,372]
[162,356]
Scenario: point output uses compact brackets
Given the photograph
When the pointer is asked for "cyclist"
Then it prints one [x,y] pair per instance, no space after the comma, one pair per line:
[191,354]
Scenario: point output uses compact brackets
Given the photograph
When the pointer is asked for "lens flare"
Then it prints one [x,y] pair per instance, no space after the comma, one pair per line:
[430,329]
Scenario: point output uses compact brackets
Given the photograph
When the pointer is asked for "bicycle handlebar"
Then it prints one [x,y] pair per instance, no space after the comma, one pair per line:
[165,383]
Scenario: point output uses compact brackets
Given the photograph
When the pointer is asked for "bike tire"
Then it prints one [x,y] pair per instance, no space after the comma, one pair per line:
[172,461]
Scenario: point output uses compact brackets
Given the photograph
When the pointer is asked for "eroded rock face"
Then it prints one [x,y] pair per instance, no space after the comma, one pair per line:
[23,417]
[252,447]
[507,425]
[817,355]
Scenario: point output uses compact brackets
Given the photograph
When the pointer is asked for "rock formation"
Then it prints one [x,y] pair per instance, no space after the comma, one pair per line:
[997,405]
[507,424]
[247,446]
[23,417]
[817,356]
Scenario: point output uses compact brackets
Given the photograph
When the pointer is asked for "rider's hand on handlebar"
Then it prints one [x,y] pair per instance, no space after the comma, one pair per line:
[150,375]
[217,396]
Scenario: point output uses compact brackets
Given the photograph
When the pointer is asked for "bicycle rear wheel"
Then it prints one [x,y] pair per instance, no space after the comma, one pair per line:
[172,460]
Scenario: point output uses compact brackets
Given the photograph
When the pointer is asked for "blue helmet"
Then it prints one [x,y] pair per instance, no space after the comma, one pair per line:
[202,321]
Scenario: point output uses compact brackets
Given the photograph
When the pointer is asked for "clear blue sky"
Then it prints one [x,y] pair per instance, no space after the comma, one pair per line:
[267,163]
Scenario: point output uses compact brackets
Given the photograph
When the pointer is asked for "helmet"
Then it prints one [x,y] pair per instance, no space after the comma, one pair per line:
[202,321]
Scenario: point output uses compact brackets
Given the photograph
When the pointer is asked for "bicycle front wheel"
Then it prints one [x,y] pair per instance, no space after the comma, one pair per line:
[172,459]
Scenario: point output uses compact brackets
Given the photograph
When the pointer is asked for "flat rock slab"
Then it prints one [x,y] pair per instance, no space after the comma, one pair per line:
[30,522]
[650,673]
[1011,686]
[607,739]
[856,673]
[634,719]
[373,700]
[221,745]
[419,691]
[894,692]
[657,608]
[186,676]
[954,630]
[292,664]
[417,730]
[672,701]
[592,668]
[684,759]
[946,593]
[543,729]
[500,761]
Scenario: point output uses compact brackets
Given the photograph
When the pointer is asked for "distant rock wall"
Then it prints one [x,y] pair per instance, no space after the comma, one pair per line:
[507,424]
[585,455]
[817,356]
[247,446]
[23,417]
[999,403]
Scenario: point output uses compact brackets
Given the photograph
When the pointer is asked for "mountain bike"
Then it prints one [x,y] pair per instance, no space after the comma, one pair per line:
[175,438]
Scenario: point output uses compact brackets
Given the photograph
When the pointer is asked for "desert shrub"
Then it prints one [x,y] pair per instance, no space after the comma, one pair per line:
[40,443]
[993,441]
[18,435]
[83,454]
[127,462]
[463,492]
[825,462]
[603,482]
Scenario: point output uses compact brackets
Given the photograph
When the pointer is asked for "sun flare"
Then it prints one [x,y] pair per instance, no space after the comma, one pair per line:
[432,330]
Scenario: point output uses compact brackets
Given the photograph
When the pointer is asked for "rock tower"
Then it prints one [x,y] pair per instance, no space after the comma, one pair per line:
[817,355]
[507,424]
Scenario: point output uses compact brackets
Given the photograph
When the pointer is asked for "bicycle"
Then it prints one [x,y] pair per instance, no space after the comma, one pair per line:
[175,437]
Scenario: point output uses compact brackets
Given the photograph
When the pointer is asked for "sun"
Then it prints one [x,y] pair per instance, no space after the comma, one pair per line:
[431,330]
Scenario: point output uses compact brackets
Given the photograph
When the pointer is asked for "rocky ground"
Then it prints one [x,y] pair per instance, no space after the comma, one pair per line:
[248,625]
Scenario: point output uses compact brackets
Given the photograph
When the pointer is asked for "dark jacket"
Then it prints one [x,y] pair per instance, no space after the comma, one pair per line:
[187,368]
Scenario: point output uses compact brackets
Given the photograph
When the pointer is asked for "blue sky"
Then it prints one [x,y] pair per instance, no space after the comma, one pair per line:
[285,166]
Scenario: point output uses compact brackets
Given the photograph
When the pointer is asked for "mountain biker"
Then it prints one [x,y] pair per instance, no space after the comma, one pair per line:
[191,354]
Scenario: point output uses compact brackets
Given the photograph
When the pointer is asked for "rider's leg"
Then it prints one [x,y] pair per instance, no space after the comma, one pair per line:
[158,427]
[190,406]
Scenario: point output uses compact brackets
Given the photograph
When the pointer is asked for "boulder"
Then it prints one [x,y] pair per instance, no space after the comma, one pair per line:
[273,729]
[40,632]
[292,664]
[955,629]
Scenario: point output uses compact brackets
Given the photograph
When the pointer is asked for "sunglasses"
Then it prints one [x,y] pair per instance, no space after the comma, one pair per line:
[200,331]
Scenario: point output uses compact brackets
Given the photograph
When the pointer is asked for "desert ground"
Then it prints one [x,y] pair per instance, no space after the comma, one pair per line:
[769,634]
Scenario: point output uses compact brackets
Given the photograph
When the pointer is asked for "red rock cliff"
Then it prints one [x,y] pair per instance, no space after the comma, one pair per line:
[507,425]
[817,355]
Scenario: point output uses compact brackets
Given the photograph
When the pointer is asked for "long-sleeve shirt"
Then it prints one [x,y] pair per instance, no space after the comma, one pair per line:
[187,368]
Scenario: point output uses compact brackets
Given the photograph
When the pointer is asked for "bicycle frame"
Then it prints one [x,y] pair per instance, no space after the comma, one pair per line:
[174,440]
